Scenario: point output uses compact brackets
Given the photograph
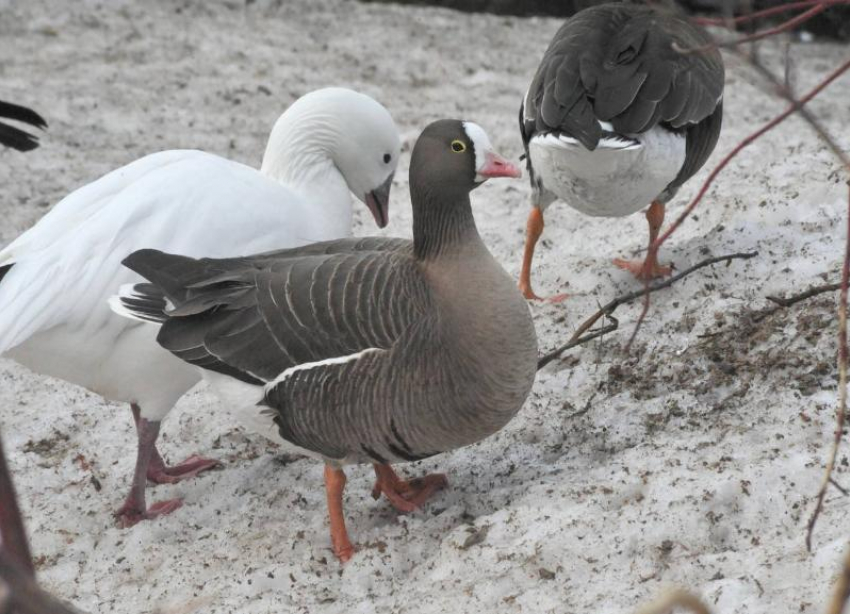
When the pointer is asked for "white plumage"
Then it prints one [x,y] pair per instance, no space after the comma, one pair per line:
[617,178]
[54,312]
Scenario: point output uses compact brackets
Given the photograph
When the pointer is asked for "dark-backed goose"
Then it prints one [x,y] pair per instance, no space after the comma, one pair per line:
[13,137]
[56,278]
[619,116]
[362,350]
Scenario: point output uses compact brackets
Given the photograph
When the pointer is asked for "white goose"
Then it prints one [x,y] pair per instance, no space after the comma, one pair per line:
[56,278]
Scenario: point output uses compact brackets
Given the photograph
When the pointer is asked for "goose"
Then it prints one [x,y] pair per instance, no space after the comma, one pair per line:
[13,137]
[371,350]
[57,277]
[619,115]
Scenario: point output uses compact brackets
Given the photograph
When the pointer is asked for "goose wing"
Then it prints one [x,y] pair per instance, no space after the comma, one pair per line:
[258,318]
[622,64]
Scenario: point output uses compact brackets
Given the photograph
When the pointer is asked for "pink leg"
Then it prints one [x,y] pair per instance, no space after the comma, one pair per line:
[134,509]
[150,466]
[160,473]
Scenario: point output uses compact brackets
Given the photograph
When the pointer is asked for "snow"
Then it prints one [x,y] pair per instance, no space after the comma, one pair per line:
[690,461]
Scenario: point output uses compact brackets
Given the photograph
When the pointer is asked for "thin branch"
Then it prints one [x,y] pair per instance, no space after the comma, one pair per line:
[795,106]
[776,10]
[13,537]
[783,27]
[841,410]
[840,488]
[783,90]
[22,593]
[796,298]
[783,303]
[599,332]
[842,588]
[608,309]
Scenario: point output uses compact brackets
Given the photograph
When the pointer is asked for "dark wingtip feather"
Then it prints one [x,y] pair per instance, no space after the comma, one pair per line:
[5,269]
[16,138]
[140,258]
[21,114]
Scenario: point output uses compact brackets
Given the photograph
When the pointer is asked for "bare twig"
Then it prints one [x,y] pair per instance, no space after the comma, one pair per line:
[776,10]
[13,537]
[795,106]
[19,593]
[840,488]
[841,410]
[783,90]
[608,309]
[23,595]
[842,588]
[796,298]
[783,27]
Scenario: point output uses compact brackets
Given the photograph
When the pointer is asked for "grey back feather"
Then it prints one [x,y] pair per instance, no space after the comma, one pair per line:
[617,63]
[264,314]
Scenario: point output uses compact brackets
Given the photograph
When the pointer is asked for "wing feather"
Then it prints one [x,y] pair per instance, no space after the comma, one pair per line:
[270,313]
[618,63]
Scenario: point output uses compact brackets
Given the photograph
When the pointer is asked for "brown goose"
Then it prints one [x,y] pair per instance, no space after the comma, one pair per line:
[371,350]
[617,117]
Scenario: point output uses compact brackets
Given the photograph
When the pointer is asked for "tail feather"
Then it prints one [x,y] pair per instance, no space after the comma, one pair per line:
[15,137]
[171,274]
[144,302]
[21,114]
[5,269]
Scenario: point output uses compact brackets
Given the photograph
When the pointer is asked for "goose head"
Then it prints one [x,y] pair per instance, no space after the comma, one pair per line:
[337,130]
[457,156]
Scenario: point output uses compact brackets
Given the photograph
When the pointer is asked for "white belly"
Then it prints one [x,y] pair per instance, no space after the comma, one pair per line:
[118,361]
[613,180]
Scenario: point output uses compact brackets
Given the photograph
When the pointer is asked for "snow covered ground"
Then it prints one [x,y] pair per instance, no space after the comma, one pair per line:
[689,461]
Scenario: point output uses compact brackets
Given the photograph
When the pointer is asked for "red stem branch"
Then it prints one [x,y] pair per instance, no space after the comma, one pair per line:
[776,10]
[841,411]
[783,27]
[652,252]
[13,537]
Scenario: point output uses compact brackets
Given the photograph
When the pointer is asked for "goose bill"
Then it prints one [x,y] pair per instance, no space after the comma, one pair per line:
[496,166]
[378,201]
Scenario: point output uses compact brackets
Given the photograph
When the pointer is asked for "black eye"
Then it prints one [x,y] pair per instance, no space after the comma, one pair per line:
[387,158]
[458,146]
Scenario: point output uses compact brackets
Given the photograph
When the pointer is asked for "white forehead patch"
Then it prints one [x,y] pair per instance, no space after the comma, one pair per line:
[480,141]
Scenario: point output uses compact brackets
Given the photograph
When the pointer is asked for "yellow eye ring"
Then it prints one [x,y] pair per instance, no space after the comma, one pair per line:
[458,146]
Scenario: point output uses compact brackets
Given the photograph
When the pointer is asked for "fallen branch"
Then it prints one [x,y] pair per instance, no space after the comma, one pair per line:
[13,537]
[19,593]
[608,309]
[784,303]
[796,298]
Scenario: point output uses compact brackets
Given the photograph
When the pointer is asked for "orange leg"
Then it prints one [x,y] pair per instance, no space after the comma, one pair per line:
[533,230]
[649,268]
[406,495]
[334,486]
